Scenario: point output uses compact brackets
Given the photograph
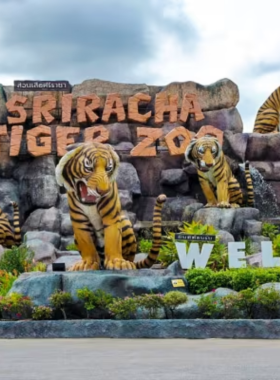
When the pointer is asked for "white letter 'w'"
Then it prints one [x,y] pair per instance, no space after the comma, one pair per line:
[187,258]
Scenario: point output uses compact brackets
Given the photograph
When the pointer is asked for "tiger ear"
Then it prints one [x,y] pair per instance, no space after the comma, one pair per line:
[73,146]
[188,152]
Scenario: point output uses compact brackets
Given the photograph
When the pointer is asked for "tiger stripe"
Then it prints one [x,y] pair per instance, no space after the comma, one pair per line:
[267,119]
[10,235]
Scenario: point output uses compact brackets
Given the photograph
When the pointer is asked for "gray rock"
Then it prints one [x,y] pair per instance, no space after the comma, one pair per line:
[252,227]
[68,260]
[227,119]
[2,250]
[46,236]
[235,144]
[275,285]
[241,214]
[143,328]
[183,188]
[124,146]
[118,133]
[66,253]
[65,241]
[66,225]
[44,252]
[43,220]
[254,260]
[9,192]
[221,219]
[127,178]
[190,211]
[126,199]
[3,108]
[37,285]
[131,216]
[263,147]
[222,292]
[225,237]
[172,177]
[256,241]
[63,204]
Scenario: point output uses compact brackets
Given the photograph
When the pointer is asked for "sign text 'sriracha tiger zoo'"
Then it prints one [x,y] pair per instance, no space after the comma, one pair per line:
[93,119]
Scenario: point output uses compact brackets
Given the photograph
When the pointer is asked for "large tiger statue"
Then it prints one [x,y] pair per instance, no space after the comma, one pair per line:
[267,119]
[103,234]
[10,235]
[218,184]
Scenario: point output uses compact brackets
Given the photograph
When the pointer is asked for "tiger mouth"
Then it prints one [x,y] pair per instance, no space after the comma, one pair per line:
[85,195]
[203,168]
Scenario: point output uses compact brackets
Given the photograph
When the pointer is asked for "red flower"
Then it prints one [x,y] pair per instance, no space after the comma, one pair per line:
[213,290]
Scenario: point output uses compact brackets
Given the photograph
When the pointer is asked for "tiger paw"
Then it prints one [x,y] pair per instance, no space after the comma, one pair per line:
[119,264]
[224,205]
[84,265]
[234,205]
[210,205]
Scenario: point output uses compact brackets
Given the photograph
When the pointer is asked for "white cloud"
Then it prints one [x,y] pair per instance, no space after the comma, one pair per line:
[234,38]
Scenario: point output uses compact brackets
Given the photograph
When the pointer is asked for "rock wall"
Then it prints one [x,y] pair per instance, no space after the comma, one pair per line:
[43,205]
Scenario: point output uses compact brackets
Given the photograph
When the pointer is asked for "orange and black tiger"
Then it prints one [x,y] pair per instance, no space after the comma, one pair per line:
[267,119]
[103,234]
[10,235]
[217,181]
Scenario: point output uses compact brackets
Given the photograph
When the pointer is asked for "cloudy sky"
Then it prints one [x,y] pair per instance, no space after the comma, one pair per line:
[145,41]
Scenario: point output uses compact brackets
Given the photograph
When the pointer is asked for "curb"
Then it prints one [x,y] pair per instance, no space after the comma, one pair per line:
[143,328]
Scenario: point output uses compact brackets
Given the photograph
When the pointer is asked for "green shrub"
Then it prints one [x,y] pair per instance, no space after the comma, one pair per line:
[200,280]
[230,307]
[269,299]
[276,245]
[242,278]
[151,303]
[93,299]
[59,300]
[208,306]
[174,299]
[6,282]
[42,313]
[145,245]
[123,308]
[222,279]
[15,306]
[39,267]
[168,252]
[72,247]
[247,301]
[17,259]
[263,276]
[269,230]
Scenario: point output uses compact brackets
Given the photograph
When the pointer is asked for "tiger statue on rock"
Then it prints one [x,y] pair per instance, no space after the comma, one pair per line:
[10,235]
[218,184]
[103,234]
[267,119]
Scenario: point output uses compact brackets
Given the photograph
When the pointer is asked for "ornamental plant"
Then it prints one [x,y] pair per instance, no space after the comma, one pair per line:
[94,299]
[59,300]
[151,303]
[174,299]
[15,306]
[208,306]
[17,259]
[42,313]
[6,282]
[123,308]
[269,299]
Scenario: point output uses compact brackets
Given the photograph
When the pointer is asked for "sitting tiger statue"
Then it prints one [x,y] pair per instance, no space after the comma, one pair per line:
[219,186]
[267,119]
[9,235]
[103,234]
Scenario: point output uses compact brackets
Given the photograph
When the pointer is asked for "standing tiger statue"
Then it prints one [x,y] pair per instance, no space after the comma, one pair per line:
[10,235]
[267,119]
[103,234]
[218,184]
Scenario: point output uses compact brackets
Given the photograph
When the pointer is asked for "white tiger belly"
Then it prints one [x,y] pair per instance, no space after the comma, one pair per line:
[95,219]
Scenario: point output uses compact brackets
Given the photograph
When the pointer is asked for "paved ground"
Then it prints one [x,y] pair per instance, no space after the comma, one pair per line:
[101,359]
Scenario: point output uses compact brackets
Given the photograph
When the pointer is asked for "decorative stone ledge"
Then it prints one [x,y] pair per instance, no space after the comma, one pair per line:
[143,328]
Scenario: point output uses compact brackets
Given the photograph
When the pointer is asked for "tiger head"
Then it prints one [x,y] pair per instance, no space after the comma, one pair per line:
[203,152]
[88,169]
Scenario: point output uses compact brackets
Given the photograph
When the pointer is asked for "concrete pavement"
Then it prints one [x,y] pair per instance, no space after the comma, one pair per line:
[116,359]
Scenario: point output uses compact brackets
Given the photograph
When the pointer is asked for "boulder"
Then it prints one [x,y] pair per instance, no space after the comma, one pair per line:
[252,227]
[37,285]
[190,210]
[126,199]
[63,204]
[67,253]
[235,145]
[123,147]
[254,260]
[3,108]
[44,252]
[118,133]
[7,163]
[256,241]
[263,147]
[227,119]
[68,260]
[221,94]
[102,88]
[66,225]
[225,237]
[65,241]
[45,236]
[172,177]
[127,178]
[43,220]
[131,216]
[242,214]
[9,192]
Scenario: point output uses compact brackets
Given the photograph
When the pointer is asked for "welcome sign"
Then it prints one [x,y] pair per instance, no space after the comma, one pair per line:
[92,116]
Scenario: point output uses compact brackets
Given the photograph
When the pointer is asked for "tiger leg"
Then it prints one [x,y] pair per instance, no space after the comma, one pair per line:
[223,194]
[208,192]
[90,258]
[113,248]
